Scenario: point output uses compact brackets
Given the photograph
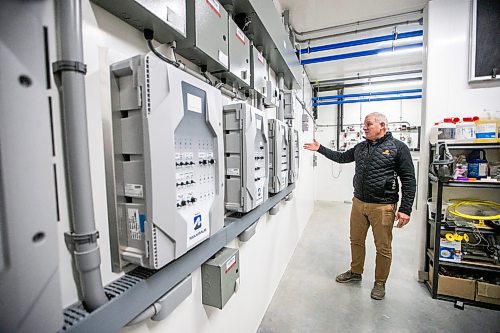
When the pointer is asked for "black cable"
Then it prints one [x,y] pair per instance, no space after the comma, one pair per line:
[208,79]
[148,34]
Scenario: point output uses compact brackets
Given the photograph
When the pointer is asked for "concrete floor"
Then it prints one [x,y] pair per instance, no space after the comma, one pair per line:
[309,300]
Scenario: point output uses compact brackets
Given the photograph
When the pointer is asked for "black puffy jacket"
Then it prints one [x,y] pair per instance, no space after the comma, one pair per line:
[378,165]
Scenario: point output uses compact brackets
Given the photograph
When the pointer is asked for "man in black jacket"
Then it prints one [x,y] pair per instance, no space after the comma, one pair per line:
[380,160]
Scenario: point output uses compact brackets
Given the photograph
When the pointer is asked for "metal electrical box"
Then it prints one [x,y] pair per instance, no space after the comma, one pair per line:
[167,194]
[293,162]
[272,97]
[167,18]
[278,155]
[220,277]
[239,54]
[207,35]
[258,71]
[291,105]
[247,156]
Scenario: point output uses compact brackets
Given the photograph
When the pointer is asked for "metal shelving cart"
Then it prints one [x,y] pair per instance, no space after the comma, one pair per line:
[436,225]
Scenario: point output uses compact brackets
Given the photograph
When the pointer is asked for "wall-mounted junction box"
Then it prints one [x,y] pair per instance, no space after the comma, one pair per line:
[220,277]
[258,72]
[206,42]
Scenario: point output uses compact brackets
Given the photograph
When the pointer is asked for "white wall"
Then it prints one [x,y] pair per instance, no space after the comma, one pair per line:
[262,260]
[447,91]
[334,181]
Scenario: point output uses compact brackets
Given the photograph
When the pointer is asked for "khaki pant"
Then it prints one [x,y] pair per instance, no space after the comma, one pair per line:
[381,218]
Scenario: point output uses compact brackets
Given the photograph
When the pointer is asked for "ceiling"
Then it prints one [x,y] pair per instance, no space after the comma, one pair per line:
[355,15]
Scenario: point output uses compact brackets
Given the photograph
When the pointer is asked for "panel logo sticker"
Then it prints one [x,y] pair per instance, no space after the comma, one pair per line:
[197,229]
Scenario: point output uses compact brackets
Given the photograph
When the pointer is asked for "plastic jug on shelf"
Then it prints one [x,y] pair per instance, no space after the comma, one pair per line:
[466,129]
[477,165]
[444,131]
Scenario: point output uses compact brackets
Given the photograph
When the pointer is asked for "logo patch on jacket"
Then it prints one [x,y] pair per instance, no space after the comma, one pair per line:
[386,152]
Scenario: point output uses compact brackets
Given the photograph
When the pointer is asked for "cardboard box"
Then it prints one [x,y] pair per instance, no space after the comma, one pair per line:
[488,293]
[456,287]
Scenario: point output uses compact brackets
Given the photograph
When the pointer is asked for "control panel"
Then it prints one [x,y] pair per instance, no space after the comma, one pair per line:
[167,195]
[278,155]
[247,153]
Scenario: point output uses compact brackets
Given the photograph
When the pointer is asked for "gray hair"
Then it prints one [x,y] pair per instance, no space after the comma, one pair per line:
[379,117]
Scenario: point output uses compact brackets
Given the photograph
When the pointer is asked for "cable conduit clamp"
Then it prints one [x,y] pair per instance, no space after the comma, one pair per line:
[71,238]
[69,65]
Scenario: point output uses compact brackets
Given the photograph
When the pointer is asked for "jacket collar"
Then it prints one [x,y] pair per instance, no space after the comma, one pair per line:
[382,139]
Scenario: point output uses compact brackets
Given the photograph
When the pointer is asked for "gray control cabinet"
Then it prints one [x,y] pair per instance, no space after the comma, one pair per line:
[167,18]
[207,35]
[278,155]
[293,162]
[168,165]
[247,155]
[239,54]
[219,277]
[258,72]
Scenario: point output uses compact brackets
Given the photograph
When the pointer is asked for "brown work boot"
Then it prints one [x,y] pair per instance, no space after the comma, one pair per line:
[348,277]
[378,291]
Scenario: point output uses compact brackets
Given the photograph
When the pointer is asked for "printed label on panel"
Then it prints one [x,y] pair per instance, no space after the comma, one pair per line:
[134,190]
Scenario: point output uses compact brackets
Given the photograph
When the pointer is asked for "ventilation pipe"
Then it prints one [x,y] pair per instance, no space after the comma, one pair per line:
[281,107]
[340,102]
[361,53]
[393,92]
[392,37]
[356,27]
[69,72]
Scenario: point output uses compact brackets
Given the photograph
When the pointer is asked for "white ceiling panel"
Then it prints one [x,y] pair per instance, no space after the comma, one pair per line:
[319,14]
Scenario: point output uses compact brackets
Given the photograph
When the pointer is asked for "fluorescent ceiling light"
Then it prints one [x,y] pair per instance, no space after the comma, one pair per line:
[374,86]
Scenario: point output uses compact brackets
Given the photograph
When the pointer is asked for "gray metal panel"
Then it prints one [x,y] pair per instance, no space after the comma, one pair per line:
[129,304]
[239,53]
[207,35]
[167,18]
[178,170]
[30,296]
[258,71]
[219,276]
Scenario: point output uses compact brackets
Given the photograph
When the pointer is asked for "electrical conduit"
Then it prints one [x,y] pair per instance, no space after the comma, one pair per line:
[70,76]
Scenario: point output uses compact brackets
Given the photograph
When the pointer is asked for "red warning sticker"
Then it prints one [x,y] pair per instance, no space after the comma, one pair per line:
[230,263]
[215,5]
[240,35]
[260,57]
